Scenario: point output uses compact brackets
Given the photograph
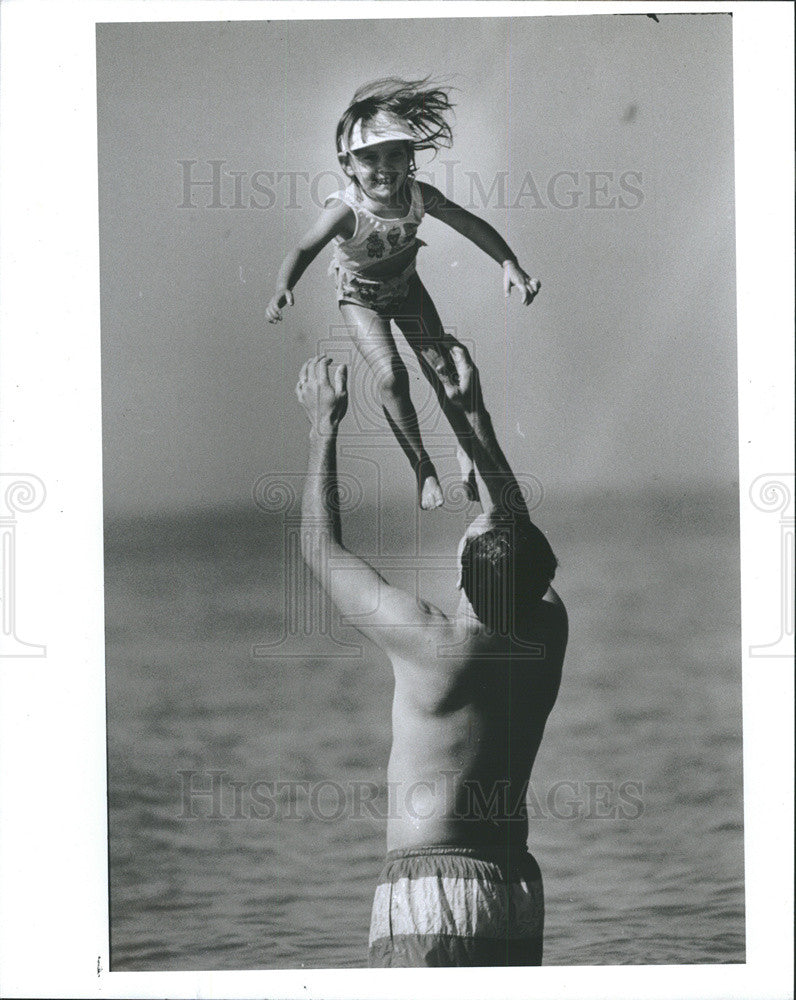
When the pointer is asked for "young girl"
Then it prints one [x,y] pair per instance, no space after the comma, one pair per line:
[374,224]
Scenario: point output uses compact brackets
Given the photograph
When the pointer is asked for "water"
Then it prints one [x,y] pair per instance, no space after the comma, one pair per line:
[650,872]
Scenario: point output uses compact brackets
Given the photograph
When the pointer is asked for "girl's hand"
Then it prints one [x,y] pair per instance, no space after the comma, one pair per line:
[515,277]
[273,310]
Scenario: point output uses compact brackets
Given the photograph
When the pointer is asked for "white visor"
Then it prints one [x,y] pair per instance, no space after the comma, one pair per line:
[383,127]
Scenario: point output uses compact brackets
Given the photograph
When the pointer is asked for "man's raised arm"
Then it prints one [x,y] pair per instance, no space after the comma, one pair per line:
[504,497]
[385,614]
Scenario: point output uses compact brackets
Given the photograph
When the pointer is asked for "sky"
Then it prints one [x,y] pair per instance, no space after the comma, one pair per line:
[601,147]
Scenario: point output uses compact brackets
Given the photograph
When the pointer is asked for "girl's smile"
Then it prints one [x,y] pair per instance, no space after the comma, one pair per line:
[380,170]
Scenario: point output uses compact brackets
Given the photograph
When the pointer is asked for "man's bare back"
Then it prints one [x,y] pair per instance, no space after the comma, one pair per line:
[468,716]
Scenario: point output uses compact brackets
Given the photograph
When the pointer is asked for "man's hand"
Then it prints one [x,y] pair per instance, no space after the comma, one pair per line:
[462,387]
[273,311]
[515,277]
[325,403]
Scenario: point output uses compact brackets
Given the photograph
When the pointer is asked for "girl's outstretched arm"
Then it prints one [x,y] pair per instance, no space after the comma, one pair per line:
[336,219]
[479,231]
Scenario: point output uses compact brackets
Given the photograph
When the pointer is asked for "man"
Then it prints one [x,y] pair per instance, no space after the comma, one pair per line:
[472,695]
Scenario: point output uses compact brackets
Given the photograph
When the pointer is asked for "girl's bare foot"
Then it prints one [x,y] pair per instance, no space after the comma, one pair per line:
[428,486]
[468,474]
[430,493]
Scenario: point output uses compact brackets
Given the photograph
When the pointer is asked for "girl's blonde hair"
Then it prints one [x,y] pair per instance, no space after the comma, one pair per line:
[423,104]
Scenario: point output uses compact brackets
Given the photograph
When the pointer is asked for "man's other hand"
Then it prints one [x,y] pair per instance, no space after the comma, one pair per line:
[462,386]
[324,401]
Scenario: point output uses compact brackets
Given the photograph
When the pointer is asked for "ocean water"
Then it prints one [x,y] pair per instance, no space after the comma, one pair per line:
[245,791]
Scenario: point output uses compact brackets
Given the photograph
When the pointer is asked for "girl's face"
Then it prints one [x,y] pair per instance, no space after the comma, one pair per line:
[380,170]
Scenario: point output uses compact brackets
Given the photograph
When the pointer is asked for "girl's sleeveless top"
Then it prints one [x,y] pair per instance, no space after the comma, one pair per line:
[377,240]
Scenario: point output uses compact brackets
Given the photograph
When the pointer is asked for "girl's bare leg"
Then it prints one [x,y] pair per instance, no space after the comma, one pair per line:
[420,324]
[375,343]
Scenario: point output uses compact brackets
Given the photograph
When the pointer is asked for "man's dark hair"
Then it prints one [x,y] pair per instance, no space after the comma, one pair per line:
[505,573]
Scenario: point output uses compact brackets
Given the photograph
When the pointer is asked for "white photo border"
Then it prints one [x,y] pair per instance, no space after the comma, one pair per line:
[53,836]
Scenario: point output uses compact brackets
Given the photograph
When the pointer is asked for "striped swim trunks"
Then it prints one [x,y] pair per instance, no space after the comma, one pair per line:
[451,906]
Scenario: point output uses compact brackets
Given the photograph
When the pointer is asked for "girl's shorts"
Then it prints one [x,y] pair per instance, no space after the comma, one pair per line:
[443,906]
[384,296]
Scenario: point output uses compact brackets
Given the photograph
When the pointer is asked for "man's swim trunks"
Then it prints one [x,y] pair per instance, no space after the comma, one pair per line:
[443,906]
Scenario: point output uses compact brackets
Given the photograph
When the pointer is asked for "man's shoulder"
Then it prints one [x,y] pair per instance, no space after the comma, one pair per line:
[551,613]
[548,621]
[426,618]
[552,608]
[415,630]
